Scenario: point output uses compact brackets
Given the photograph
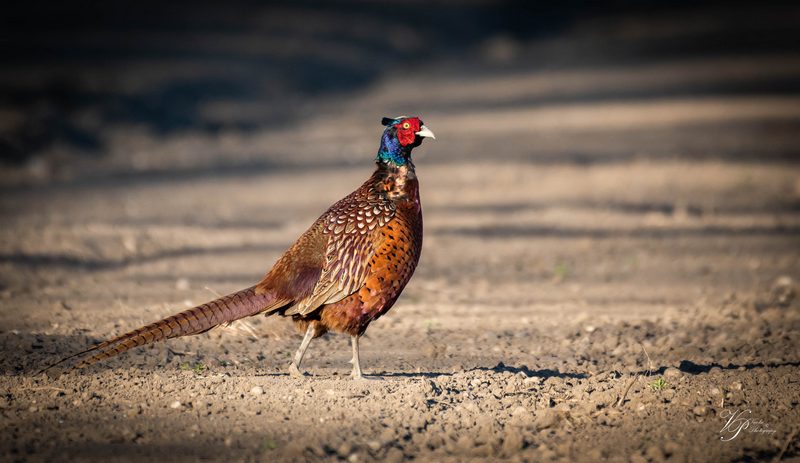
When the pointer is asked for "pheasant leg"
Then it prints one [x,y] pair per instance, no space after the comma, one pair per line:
[357,374]
[294,367]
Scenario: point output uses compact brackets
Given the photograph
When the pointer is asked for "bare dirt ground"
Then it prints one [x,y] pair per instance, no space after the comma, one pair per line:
[610,271]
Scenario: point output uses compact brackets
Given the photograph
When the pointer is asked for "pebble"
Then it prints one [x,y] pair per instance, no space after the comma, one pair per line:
[654,453]
[544,454]
[175,404]
[257,390]
[671,448]
[394,455]
[594,455]
[387,435]
[513,441]
[374,445]
[736,386]
[344,449]
[700,410]
[672,373]
[547,420]
[520,417]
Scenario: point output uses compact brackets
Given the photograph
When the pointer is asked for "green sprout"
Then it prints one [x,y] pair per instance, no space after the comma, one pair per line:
[268,444]
[198,367]
[560,272]
[658,385]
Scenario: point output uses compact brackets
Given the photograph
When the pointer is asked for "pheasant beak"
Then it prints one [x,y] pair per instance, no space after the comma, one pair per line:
[425,133]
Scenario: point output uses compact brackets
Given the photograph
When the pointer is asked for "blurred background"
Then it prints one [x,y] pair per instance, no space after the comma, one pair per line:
[614,146]
[198,139]
[90,90]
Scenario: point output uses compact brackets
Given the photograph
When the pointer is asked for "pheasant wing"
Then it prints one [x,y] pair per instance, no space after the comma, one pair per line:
[353,231]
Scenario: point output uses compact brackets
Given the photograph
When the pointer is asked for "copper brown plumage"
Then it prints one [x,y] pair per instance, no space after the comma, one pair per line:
[345,271]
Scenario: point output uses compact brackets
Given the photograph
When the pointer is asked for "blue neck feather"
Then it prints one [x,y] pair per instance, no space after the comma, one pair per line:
[391,151]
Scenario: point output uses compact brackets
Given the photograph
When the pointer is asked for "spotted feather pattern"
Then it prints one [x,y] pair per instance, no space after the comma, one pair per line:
[396,252]
[352,228]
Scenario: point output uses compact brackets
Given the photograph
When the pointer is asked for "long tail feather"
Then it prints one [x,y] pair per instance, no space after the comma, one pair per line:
[197,320]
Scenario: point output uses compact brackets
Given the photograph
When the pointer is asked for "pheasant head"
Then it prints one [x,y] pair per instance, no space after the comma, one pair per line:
[402,134]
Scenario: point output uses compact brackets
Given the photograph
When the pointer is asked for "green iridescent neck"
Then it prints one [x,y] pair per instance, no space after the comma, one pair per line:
[391,151]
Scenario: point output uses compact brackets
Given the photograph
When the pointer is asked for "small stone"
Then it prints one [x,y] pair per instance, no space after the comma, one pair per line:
[544,454]
[547,420]
[654,453]
[783,292]
[175,404]
[672,373]
[394,455]
[715,391]
[562,407]
[354,458]
[345,449]
[513,441]
[520,411]
[387,435]
[671,448]
[374,445]
[637,458]
[736,386]
[594,455]
[521,417]
[700,410]
[257,390]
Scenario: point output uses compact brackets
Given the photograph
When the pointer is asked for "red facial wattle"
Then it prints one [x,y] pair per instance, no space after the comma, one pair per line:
[407,130]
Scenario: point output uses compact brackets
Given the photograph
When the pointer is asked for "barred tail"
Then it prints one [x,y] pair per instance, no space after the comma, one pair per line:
[193,321]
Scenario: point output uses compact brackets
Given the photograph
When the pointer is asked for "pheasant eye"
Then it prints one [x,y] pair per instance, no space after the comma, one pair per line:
[406,125]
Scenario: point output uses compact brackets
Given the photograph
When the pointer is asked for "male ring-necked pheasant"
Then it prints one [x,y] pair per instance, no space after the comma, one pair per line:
[345,271]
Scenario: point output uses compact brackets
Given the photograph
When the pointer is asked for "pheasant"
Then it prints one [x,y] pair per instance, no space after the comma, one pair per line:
[345,271]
